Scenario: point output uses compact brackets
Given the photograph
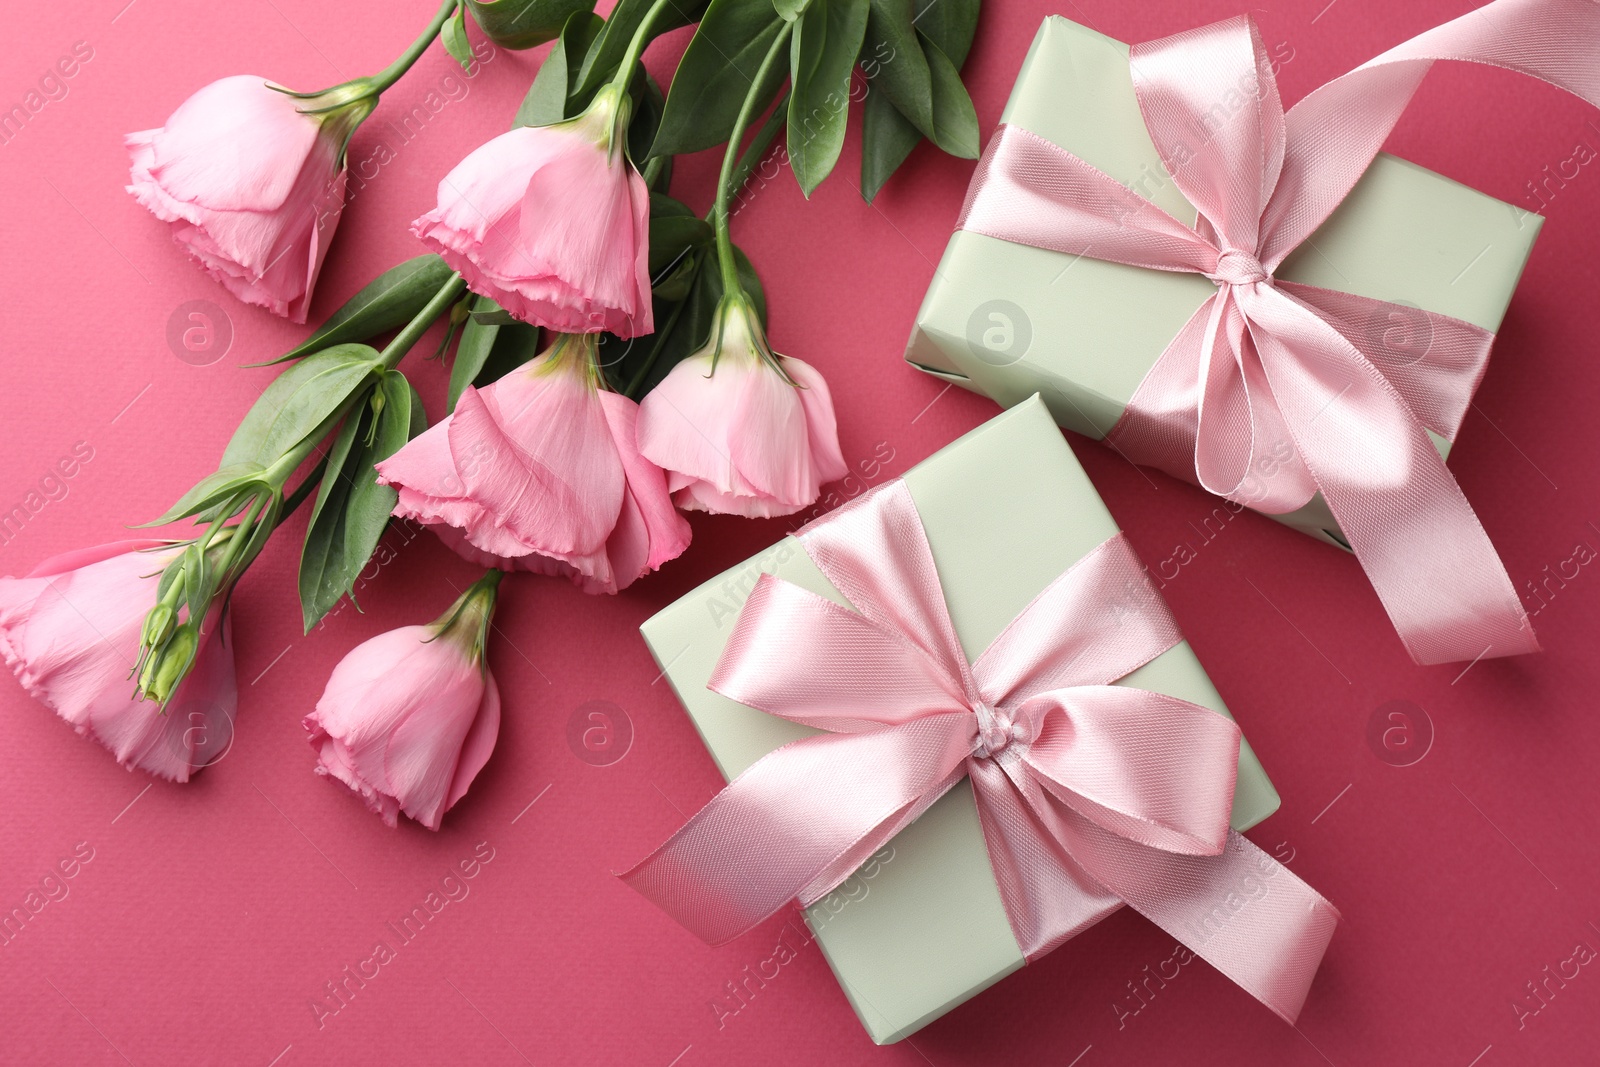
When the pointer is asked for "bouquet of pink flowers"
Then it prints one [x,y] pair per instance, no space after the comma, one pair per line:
[611,365]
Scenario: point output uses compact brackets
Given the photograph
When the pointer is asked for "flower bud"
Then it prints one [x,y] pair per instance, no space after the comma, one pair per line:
[158,626]
[169,664]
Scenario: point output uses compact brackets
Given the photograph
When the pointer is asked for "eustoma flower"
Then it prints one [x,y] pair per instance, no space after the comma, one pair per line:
[252,177]
[539,471]
[71,631]
[740,429]
[252,184]
[552,223]
[409,718]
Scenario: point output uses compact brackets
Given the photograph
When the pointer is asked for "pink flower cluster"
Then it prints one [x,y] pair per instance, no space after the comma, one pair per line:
[547,469]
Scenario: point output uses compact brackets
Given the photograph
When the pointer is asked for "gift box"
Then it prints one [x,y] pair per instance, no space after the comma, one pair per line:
[1009,320]
[921,927]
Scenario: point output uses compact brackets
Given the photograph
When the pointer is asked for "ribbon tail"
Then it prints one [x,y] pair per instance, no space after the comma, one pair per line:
[1434,362]
[1049,899]
[798,822]
[1426,553]
[1336,129]
[1241,911]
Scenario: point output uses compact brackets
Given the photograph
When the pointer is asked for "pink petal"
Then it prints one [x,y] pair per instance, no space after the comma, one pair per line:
[235,145]
[685,421]
[769,440]
[479,745]
[649,530]
[538,455]
[826,458]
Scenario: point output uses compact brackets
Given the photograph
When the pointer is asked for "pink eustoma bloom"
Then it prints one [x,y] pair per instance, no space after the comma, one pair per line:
[539,471]
[252,185]
[739,429]
[70,633]
[410,717]
[552,223]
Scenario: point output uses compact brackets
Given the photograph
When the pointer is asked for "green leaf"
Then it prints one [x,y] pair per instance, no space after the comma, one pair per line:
[887,138]
[648,106]
[298,402]
[674,285]
[518,24]
[955,123]
[352,509]
[605,55]
[477,339]
[454,35]
[419,417]
[892,59]
[789,10]
[212,491]
[945,29]
[674,230]
[546,101]
[513,346]
[387,302]
[950,24]
[827,40]
[716,72]
[672,236]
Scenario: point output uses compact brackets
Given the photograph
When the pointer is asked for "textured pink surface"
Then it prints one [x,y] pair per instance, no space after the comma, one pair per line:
[208,917]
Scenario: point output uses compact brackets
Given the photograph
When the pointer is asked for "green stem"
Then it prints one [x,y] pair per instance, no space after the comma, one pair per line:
[661,335]
[641,37]
[756,150]
[396,349]
[725,260]
[230,553]
[392,73]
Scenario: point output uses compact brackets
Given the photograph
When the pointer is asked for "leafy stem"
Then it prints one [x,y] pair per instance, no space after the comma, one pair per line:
[725,186]
[636,44]
[396,349]
[756,150]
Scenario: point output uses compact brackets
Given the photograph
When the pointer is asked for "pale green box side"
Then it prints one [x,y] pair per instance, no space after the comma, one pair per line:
[1090,330]
[1007,509]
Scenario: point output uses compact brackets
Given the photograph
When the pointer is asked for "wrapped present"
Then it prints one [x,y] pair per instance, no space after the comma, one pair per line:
[1255,301]
[962,687]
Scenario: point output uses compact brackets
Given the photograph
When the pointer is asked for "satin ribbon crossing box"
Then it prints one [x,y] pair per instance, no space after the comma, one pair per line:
[1008,320]
[920,928]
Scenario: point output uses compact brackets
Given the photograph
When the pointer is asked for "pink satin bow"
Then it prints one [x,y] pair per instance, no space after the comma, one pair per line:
[1090,795]
[1269,368]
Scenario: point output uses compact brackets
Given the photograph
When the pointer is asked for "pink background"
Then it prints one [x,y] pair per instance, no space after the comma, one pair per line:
[210,915]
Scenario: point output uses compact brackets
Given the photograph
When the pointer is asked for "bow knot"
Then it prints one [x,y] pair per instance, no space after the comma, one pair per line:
[1236,266]
[1089,794]
[996,731]
[1272,394]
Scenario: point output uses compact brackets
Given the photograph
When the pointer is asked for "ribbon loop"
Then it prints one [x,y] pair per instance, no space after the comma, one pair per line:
[1075,779]
[1274,392]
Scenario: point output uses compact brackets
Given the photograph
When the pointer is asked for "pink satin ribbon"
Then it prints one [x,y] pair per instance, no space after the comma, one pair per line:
[1090,795]
[1275,391]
